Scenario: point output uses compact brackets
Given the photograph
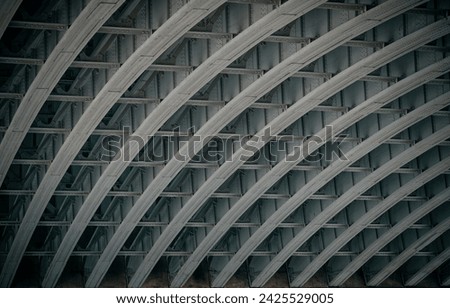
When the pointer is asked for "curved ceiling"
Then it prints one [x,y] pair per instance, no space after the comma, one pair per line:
[240,143]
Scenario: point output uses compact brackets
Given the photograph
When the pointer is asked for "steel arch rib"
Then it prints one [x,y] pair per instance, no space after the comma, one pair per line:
[76,37]
[7,11]
[374,213]
[428,268]
[388,236]
[273,176]
[264,27]
[409,252]
[334,169]
[249,95]
[163,38]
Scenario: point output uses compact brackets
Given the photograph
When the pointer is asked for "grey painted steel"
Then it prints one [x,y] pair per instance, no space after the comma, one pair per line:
[275,76]
[314,97]
[375,212]
[388,236]
[179,253]
[77,36]
[429,268]
[143,164]
[335,168]
[163,38]
[179,96]
[172,194]
[409,252]
[66,202]
[7,10]
[195,224]
[305,233]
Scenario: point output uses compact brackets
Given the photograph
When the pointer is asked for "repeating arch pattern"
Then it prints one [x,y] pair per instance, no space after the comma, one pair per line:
[199,138]
[232,109]
[353,156]
[135,65]
[389,236]
[76,37]
[81,31]
[371,215]
[429,268]
[193,83]
[305,55]
[345,199]
[408,253]
[271,177]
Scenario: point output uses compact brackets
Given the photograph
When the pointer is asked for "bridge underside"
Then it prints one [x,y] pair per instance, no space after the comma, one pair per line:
[132,131]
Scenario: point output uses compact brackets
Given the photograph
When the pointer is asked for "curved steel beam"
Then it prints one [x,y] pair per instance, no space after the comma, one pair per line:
[274,175]
[378,210]
[249,95]
[334,169]
[409,252]
[388,236]
[93,16]
[7,11]
[254,34]
[76,37]
[429,268]
[317,95]
[135,65]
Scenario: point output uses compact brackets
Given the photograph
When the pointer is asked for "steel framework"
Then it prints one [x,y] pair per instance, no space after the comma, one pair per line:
[224,139]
